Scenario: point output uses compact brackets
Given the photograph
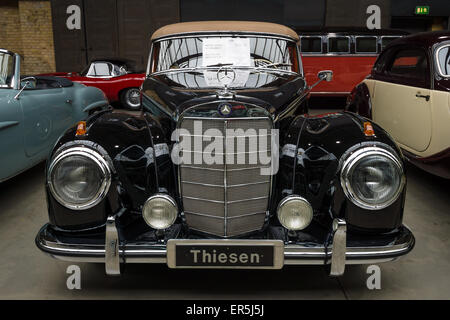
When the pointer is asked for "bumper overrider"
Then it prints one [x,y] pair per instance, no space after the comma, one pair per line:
[341,250]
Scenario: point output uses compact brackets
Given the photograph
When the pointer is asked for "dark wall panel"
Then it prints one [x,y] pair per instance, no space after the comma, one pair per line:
[109,28]
[101,28]
[70,45]
[134,29]
[294,13]
[347,13]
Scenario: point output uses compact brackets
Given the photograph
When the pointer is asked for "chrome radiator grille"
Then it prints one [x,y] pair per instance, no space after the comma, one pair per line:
[226,199]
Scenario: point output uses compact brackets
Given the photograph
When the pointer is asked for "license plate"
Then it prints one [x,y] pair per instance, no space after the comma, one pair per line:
[225,254]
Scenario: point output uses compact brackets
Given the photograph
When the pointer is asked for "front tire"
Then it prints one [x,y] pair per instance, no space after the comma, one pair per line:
[130,99]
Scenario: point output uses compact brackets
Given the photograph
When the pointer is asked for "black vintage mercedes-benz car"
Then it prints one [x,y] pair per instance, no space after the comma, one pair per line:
[224,168]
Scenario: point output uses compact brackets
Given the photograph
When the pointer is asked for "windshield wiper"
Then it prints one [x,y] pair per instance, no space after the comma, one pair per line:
[220,65]
[276,64]
[230,65]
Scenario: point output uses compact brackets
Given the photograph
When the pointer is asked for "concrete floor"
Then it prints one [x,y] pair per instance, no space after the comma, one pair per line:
[26,273]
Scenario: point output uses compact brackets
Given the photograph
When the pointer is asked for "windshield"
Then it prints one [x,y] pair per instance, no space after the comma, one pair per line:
[225,60]
[6,69]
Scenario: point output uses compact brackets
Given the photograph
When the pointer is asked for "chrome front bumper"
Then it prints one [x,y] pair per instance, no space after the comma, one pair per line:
[341,252]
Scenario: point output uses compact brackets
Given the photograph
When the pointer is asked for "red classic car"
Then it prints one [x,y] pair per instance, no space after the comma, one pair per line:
[116,77]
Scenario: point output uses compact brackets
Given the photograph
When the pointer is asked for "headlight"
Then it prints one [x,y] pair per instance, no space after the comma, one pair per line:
[294,213]
[160,211]
[79,178]
[372,178]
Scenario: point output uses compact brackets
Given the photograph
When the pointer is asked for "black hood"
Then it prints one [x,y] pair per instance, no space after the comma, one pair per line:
[177,91]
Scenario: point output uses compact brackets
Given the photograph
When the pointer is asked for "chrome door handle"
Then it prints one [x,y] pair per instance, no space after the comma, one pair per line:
[426,97]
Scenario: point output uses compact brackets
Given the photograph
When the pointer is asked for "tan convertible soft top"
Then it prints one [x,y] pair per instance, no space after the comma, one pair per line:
[224,26]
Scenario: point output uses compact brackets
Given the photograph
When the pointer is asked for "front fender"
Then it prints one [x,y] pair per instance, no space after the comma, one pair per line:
[310,162]
[139,154]
[86,100]
[359,101]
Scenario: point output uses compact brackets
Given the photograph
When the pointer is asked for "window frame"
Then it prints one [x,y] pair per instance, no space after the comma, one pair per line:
[366,52]
[105,77]
[312,52]
[383,37]
[151,65]
[425,83]
[13,79]
[436,58]
[338,36]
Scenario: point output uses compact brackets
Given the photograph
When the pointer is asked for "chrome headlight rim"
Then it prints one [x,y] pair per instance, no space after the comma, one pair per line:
[92,155]
[353,158]
[166,197]
[290,198]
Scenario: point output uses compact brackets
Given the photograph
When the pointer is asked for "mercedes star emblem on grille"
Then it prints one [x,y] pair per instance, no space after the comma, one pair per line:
[225,109]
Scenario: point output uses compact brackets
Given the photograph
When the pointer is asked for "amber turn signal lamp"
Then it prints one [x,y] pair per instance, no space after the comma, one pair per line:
[368,129]
[81,128]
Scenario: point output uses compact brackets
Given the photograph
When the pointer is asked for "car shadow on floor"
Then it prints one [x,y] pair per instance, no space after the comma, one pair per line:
[157,281]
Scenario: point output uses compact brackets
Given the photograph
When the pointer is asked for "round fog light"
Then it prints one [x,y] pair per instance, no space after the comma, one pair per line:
[294,213]
[160,211]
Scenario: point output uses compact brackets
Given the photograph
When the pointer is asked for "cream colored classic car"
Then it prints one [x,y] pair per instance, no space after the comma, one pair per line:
[408,94]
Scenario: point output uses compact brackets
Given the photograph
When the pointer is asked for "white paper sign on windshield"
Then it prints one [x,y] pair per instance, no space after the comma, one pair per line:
[233,51]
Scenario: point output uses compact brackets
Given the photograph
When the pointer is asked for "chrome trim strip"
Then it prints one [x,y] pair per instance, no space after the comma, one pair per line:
[294,254]
[225,224]
[200,168]
[246,215]
[250,168]
[217,169]
[231,153]
[436,57]
[197,34]
[200,199]
[223,119]
[225,202]
[222,218]
[203,184]
[247,184]
[222,137]
[204,215]
[249,199]
[221,186]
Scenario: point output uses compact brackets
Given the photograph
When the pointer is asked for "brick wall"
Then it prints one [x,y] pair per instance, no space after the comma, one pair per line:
[26,28]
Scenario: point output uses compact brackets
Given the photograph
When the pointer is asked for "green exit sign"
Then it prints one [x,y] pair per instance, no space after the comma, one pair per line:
[422,10]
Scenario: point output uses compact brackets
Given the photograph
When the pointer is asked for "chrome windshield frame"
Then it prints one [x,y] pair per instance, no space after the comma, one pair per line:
[16,70]
[224,34]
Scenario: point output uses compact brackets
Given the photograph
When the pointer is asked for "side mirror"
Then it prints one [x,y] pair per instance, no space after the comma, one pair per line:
[326,75]
[24,83]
